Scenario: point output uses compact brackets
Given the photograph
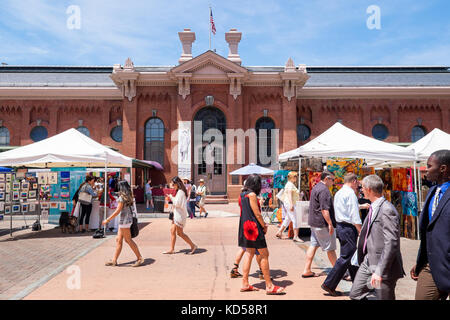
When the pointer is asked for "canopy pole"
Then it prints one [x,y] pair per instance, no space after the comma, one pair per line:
[104,193]
[299,173]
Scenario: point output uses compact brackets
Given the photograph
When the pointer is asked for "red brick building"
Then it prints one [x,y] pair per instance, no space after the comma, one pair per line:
[135,109]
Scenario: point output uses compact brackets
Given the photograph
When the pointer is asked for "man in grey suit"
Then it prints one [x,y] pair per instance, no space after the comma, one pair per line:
[379,254]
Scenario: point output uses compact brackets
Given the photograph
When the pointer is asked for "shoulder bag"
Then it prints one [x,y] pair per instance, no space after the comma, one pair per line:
[84,197]
[134,228]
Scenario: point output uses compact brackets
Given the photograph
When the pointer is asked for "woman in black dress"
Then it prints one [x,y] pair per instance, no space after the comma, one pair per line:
[252,229]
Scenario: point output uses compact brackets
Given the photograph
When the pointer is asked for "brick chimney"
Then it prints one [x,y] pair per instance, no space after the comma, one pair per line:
[187,37]
[233,37]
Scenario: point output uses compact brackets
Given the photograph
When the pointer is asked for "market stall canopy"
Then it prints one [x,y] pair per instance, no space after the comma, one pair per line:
[252,169]
[70,148]
[423,148]
[342,142]
[433,141]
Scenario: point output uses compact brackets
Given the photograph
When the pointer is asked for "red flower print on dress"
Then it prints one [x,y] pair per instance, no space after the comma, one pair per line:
[250,230]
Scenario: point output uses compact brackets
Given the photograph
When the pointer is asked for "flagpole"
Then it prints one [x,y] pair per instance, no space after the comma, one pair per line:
[210,28]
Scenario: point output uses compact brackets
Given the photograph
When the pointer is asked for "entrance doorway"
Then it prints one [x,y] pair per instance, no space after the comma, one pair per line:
[210,164]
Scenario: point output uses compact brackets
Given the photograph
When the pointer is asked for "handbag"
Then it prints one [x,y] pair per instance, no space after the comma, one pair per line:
[98,234]
[170,215]
[36,226]
[85,198]
[134,228]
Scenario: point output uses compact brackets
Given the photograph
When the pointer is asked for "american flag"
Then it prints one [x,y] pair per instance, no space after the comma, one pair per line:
[211,20]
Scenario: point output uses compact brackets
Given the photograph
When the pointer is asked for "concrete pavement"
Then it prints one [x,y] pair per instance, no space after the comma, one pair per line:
[46,266]
[202,276]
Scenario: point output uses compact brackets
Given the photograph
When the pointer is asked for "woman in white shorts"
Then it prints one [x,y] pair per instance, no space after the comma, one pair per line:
[289,199]
[179,216]
[125,209]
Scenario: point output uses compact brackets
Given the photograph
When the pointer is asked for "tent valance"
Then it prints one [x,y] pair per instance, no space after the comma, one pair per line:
[70,148]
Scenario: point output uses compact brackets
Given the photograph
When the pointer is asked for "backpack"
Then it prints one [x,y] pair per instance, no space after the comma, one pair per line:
[193,192]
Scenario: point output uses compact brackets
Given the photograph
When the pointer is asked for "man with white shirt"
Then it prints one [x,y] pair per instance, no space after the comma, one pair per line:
[348,227]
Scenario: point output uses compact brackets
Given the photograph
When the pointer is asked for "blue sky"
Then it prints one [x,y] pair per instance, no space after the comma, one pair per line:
[313,32]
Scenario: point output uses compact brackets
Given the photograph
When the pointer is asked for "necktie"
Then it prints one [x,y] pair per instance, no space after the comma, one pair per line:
[369,217]
[435,201]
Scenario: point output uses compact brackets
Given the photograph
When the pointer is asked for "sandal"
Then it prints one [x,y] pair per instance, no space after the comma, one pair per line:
[111,263]
[312,275]
[138,262]
[235,273]
[168,252]
[276,290]
[249,288]
[193,250]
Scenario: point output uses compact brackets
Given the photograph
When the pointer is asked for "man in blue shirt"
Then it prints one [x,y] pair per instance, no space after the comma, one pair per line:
[432,270]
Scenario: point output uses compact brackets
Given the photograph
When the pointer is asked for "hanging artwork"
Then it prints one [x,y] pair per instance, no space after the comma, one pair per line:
[7,209]
[54,205]
[386,176]
[16,185]
[280,178]
[24,207]
[52,177]
[339,167]
[314,178]
[410,180]
[32,207]
[408,227]
[65,176]
[15,208]
[2,206]
[15,196]
[265,185]
[8,187]
[23,194]
[396,200]
[42,177]
[62,206]
[25,185]
[409,203]
[2,177]
[8,177]
[2,186]
[2,195]
[32,194]
[45,205]
[400,179]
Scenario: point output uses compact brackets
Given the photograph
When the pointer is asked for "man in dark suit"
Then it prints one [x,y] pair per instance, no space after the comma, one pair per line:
[432,270]
[379,254]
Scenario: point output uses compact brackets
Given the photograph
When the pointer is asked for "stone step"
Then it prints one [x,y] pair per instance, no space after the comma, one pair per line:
[216,199]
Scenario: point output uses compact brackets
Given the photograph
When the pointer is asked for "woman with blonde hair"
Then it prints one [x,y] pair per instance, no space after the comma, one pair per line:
[179,216]
[289,198]
[125,208]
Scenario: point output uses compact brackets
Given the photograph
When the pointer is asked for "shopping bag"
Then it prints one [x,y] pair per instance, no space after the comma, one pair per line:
[76,210]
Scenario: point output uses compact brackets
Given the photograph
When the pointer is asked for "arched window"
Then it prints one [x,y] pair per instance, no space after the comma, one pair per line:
[264,128]
[84,131]
[154,140]
[38,133]
[303,133]
[116,133]
[4,136]
[380,131]
[417,133]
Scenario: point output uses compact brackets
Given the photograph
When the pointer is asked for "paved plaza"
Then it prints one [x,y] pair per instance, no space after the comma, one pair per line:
[42,265]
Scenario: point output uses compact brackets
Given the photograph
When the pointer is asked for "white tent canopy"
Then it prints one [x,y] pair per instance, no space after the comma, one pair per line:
[340,141]
[252,169]
[433,141]
[70,148]
[423,148]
